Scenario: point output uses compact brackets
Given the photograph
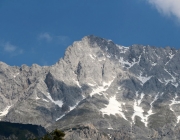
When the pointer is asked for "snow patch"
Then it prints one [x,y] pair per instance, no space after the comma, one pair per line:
[16,75]
[58,102]
[45,100]
[114,107]
[175,84]
[123,49]
[102,88]
[92,56]
[178,119]
[37,98]
[103,59]
[92,85]
[160,80]
[123,62]
[154,64]
[77,83]
[138,110]
[5,111]
[166,81]
[109,135]
[136,94]
[150,112]
[143,79]
[130,64]
[110,128]
[119,88]
[60,117]
[71,108]
[173,79]
[140,100]
[173,102]
[171,55]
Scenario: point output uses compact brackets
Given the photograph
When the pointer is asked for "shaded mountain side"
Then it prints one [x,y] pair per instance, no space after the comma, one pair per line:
[12,131]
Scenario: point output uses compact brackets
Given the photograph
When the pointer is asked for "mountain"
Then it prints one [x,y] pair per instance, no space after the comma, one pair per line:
[99,90]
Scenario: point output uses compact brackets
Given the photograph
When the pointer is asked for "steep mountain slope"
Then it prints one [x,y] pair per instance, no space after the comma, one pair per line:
[99,90]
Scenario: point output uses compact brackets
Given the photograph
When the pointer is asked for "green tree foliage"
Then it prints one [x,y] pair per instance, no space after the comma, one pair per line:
[54,135]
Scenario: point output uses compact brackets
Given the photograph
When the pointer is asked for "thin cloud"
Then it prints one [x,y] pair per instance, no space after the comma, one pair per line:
[45,36]
[8,47]
[63,39]
[13,50]
[167,7]
[21,51]
[59,39]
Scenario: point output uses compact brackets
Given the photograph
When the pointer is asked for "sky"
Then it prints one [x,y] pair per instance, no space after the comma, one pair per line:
[39,31]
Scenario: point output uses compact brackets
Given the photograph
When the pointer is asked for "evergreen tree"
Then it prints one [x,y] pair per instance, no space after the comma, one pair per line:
[54,135]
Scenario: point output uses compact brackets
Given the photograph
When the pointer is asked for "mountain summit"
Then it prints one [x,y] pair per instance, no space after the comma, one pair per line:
[99,90]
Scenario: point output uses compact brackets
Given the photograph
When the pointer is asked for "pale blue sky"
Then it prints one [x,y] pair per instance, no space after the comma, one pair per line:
[39,31]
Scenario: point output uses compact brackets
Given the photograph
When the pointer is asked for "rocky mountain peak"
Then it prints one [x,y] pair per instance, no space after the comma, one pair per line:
[113,88]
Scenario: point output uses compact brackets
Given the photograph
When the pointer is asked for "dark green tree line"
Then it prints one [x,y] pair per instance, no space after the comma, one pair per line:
[54,135]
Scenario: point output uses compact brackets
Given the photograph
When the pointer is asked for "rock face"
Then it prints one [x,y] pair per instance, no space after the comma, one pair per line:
[98,91]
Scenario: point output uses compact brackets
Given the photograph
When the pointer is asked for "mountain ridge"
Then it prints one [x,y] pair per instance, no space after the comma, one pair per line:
[97,83]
